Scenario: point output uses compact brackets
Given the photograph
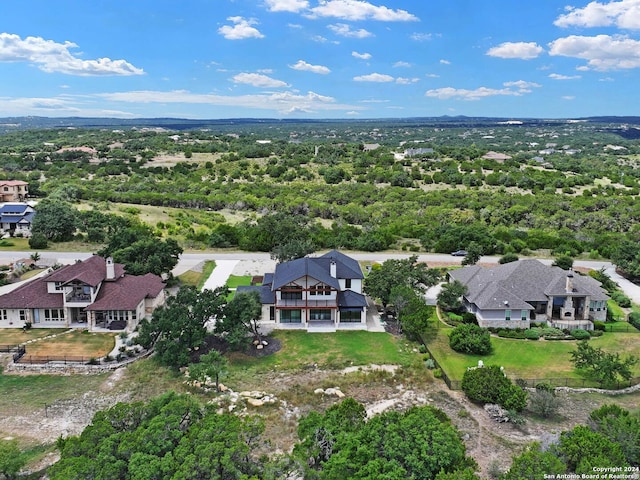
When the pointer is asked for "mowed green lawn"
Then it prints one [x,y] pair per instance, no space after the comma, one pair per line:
[529,359]
[331,350]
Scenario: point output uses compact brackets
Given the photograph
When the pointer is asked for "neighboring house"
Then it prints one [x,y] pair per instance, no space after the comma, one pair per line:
[13,190]
[314,293]
[518,293]
[94,293]
[16,218]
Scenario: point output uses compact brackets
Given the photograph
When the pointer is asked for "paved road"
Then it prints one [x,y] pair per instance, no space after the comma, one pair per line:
[190,260]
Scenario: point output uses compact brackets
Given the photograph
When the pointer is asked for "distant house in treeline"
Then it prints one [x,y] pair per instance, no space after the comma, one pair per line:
[16,219]
[13,191]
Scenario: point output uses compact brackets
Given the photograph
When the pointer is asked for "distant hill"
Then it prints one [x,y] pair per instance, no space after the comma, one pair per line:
[26,123]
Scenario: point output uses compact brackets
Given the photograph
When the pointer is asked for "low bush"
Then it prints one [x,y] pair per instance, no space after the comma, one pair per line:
[470,338]
[533,334]
[580,334]
[621,299]
[597,333]
[597,325]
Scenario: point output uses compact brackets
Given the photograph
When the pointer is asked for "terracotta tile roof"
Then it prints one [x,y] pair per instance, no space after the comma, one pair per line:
[127,292]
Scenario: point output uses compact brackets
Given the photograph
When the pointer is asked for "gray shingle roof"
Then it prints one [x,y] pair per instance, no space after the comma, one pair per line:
[520,282]
[267,297]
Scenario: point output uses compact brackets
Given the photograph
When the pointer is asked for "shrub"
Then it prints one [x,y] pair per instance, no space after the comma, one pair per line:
[93,361]
[422,348]
[468,317]
[533,334]
[429,363]
[597,333]
[580,334]
[543,401]
[599,326]
[621,299]
[27,325]
[38,241]
[490,385]
[470,338]
[508,258]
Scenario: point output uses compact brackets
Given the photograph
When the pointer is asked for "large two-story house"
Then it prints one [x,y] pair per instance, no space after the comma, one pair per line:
[13,191]
[16,219]
[314,293]
[94,294]
[518,293]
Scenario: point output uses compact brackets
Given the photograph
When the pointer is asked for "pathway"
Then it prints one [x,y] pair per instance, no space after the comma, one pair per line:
[220,274]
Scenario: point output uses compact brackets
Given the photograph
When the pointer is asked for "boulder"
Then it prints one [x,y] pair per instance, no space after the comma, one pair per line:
[255,402]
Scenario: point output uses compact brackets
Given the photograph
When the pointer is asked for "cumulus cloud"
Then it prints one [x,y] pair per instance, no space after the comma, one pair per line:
[445,62]
[258,80]
[344,30]
[307,67]
[242,28]
[54,57]
[287,5]
[622,14]
[557,76]
[356,10]
[374,77]
[521,87]
[521,50]
[401,64]
[361,56]
[602,52]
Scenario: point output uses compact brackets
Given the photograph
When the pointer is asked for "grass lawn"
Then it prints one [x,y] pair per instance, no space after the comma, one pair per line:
[330,350]
[76,344]
[197,279]
[528,359]
[239,280]
[16,336]
[615,310]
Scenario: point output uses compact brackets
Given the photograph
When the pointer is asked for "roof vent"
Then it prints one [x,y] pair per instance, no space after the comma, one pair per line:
[506,302]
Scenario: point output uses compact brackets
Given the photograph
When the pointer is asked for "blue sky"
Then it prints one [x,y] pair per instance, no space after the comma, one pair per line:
[319,58]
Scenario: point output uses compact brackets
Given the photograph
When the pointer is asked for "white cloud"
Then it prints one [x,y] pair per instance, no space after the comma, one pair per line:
[602,52]
[521,50]
[282,102]
[374,77]
[401,64]
[356,10]
[361,56]
[421,37]
[432,75]
[319,39]
[522,86]
[307,67]
[448,93]
[344,30]
[287,5]
[569,97]
[242,28]
[406,81]
[258,80]
[445,62]
[53,57]
[557,76]
[622,14]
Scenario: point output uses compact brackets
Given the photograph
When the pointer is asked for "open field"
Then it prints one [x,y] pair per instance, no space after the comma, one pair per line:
[541,359]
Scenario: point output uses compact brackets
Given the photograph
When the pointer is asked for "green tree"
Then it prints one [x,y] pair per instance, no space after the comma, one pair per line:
[386,446]
[470,338]
[582,449]
[399,272]
[38,241]
[239,323]
[56,220]
[450,297]
[535,464]
[292,249]
[412,310]
[178,328]
[620,426]
[11,459]
[489,384]
[565,262]
[146,255]
[474,252]
[626,255]
[606,368]
[210,367]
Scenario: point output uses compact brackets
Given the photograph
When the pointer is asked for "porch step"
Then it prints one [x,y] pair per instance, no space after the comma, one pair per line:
[321,329]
